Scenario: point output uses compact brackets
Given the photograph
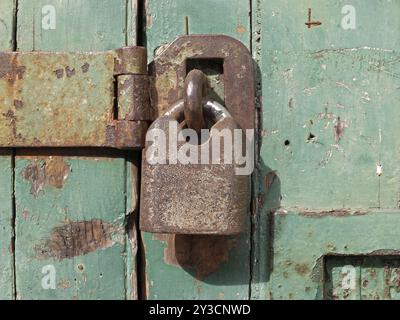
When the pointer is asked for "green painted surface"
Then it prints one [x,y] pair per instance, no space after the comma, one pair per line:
[79,25]
[86,190]
[7,9]
[311,96]
[6,230]
[6,175]
[95,187]
[301,242]
[283,24]
[328,127]
[165,20]
[185,267]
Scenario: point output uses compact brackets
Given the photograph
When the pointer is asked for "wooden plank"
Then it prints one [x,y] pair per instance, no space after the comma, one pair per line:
[78,197]
[328,116]
[6,227]
[165,20]
[132,19]
[132,187]
[196,267]
[303,243]
[70,216]
[7,11]
[71,25]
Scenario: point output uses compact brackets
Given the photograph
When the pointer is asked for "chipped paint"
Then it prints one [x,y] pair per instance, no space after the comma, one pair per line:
[10,69]
[76,238]
[52,171]
[269,179]
[332,213]
[240,29]
[340,126]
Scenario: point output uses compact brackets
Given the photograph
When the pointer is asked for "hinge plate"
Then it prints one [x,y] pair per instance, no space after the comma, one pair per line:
[52,99]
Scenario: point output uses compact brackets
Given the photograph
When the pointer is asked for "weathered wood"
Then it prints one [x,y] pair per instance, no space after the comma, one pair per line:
[167,19]
[87,25]
[329,127]
[132,187]
[302,270]
[7,11]
[70,214]
[71,205]
[6,227]
[196,267]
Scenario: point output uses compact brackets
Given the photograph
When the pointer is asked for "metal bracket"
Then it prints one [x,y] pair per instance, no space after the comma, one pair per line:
[74,99]
[172,64]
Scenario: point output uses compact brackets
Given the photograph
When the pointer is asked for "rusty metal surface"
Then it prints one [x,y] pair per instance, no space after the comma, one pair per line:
[169,70]
[193,198]
[133,98]
[195,88]
[52,99]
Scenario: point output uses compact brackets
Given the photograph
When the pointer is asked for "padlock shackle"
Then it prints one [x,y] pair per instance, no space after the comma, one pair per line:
[195,91]
[212,110]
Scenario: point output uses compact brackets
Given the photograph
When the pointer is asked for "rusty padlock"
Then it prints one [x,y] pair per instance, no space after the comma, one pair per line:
[193,187]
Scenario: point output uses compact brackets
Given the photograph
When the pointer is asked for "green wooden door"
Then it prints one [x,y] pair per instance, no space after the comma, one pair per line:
[326,185]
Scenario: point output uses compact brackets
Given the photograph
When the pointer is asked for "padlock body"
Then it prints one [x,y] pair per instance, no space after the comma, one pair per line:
[193,198]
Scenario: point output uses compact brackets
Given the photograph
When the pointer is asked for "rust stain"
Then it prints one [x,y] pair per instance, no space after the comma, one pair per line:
[25,215]
[85,67]
[52,171]
[339,128]
[10,69]
[18,104]
[261,200]
[269,179]
[64,284]
[70,71]
[76,238]
[202,253]
[290,104]
[59,73]
[311,23]
[332,213]
[385,252]
[11,248]
[302,269]
[9,115]
[240,29]
[149,21]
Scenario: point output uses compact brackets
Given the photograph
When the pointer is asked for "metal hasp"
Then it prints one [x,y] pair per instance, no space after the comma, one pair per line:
[171,65]
[197,198]
[52,99]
